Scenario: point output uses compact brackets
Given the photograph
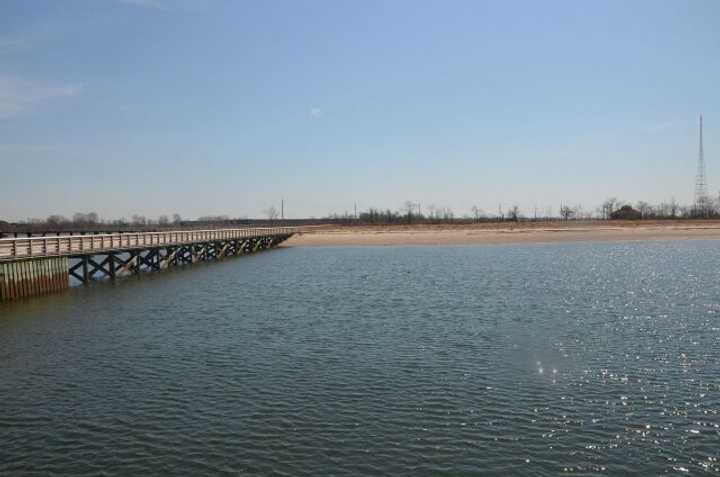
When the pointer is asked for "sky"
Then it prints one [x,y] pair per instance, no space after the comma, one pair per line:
[209,107]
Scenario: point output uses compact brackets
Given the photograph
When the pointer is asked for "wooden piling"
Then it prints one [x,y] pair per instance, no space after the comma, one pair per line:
[31,277]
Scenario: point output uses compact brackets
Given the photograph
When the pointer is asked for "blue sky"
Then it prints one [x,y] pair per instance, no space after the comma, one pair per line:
[223,107]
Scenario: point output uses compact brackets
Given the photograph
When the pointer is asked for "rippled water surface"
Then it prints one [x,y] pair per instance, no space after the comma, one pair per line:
[523,359]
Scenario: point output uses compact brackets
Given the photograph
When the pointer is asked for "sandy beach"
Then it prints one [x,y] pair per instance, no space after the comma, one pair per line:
[501,233]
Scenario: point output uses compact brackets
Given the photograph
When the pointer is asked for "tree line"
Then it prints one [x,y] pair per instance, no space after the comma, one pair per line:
[83,219]
[612,208]
[409,213]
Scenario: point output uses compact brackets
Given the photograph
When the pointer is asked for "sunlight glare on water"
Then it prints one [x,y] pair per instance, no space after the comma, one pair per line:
[525,359]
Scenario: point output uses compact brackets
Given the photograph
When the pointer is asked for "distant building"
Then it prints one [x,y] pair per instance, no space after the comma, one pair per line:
[626,212]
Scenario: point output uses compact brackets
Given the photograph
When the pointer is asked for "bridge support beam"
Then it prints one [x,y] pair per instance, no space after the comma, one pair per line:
[113,265]
[32,277]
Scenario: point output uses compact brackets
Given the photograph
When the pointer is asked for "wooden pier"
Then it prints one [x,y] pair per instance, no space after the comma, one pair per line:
[33,266]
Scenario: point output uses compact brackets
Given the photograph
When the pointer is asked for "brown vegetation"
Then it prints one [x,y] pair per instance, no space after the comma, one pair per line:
[504,232]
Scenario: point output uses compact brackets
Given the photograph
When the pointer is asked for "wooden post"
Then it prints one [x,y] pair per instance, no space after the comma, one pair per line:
[32,277]
[86,278]
[111,265]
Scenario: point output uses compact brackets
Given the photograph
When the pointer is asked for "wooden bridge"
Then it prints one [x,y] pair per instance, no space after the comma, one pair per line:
[39,265]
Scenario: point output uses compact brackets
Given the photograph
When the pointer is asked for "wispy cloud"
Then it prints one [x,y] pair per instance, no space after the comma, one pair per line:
[18,96]
[144,3]
[657,127]
[6,44]
[187,6]
[316,113]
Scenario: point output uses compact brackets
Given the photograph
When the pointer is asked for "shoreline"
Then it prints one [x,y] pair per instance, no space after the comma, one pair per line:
[478,234]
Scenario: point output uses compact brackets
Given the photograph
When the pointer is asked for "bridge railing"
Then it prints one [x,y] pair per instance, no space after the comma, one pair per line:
[14,248]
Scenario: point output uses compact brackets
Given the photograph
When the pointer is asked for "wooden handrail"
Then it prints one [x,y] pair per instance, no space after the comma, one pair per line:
[65,245]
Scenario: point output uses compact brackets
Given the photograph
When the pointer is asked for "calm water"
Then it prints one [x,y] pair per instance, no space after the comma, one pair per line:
[524,359]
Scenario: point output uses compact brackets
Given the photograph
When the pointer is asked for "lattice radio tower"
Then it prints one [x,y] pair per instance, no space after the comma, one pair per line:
[700,182]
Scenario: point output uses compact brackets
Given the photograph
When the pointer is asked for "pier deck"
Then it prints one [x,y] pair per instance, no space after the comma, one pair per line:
[29,265]
[72,245]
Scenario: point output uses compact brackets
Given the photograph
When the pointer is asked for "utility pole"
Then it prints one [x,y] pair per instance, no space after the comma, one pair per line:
[282,208]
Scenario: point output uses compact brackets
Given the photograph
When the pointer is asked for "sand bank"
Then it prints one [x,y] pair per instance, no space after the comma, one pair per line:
[504,233]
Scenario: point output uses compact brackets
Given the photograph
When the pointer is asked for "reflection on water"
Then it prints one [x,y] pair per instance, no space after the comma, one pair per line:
[525,359]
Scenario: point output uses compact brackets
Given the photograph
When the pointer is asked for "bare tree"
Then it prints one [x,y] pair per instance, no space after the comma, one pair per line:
[79,218]
[163,220]
[514,213]
[271,213]
[447,214]
[566,212]
[56,220]
[213,218]
[644,208]
[409,209]
[177,220]
[609,207]
[477,212]
[90,218]
[674,207]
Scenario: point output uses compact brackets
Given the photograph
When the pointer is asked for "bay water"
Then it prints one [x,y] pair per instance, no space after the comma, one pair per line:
[571,358]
